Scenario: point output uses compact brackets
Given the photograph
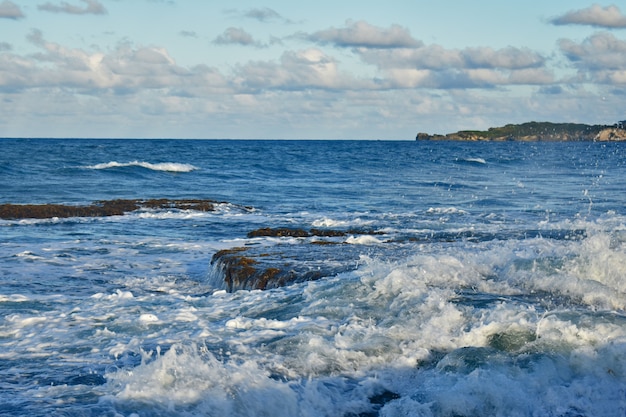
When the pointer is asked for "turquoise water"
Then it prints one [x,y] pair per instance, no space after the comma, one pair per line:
[493,284]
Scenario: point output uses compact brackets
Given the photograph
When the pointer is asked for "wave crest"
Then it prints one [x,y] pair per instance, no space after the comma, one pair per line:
[162,166]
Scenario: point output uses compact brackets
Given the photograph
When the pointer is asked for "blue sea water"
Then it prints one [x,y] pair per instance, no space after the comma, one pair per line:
[494,283]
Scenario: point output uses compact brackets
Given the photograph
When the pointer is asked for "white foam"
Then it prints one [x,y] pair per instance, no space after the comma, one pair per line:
[363,240]
[190,376]
[263,323]
[169,214]
[13,298]
[473,160]
[162,166]
[445,210]
[118,295]
[322,347]
[328,222]
[148,318]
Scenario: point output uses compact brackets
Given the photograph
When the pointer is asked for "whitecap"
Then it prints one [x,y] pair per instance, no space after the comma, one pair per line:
[445,210]
[147,318]
[327,222]
[363,240]
[162,166]
[480,161]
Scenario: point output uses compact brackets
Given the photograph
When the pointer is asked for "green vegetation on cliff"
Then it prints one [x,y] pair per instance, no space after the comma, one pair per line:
[537,131]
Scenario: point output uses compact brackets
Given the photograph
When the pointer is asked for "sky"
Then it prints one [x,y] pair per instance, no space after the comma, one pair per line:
[280,69]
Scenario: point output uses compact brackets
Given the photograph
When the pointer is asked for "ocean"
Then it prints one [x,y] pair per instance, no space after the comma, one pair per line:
[417,278]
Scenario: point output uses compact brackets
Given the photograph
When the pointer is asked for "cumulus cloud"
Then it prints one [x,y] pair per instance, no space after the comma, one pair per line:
[10,10]
[438,57]
[596,15]
[510,58]
[433,66]
[124,70]
[599,58]
[91,7]
[297,70]
[406,63]
[362,34]
[235,36]
[405,78]
[263,15]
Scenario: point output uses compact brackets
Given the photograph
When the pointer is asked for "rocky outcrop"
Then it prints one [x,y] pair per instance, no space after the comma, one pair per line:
[305,255]
[611,134]
[535,132]
[244,268]
[318,253]
[99,208]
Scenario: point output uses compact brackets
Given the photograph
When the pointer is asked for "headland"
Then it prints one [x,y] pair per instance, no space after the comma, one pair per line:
[537,132]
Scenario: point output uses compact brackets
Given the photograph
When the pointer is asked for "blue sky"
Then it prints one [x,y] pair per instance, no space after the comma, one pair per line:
[323,69]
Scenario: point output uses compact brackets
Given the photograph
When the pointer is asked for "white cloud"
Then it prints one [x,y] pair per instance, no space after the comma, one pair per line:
[363,34]
[236,36]
[596,15]
[433,66]
[126,69]
[10,10]
[405,62]
[297,70]
[532,76]
[91,7]
[423,57]
[263,15]
[599,58]
[436,57]
[509,58]
[309,92]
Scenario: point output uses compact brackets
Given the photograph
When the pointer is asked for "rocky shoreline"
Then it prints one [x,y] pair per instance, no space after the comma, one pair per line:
[537,132]
[295,255]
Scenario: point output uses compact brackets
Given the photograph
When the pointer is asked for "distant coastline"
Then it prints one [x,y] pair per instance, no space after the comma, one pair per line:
[536,132]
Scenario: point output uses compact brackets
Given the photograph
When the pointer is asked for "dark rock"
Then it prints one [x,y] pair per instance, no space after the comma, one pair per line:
[261,267]
[288,232]
[99,208]
[328,233]
[248,269]
[319,253]
[279,232]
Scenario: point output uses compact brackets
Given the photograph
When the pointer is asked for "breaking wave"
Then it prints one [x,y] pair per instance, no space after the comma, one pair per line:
[162,166]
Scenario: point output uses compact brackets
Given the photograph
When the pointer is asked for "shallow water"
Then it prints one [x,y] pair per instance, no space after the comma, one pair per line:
[494,285]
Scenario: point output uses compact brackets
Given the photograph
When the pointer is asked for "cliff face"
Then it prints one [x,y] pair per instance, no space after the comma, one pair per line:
[534,132]
[610,134]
